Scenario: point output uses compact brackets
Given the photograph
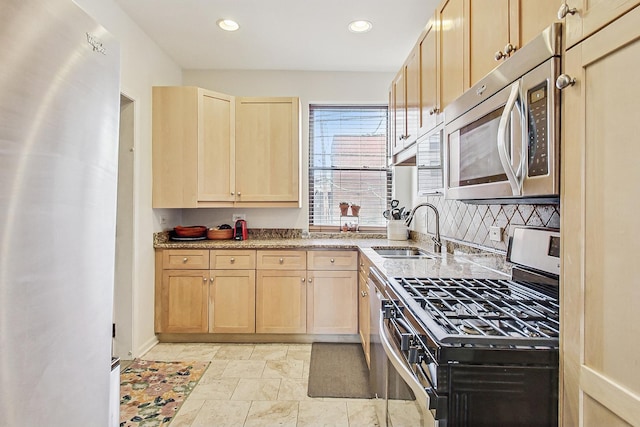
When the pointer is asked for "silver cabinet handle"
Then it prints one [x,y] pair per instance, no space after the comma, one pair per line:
[281,260]
[232,193]
[185,259]
[364,294]
[433,111]
[509,49]
[204,279]
[232,260]
[239,194]
[499,55]
[564,81]
[310,280]
[566,10]
[211,280]
[302,280]
[332,260]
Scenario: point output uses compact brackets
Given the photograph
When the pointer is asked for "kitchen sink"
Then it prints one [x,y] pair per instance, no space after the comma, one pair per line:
[402,253]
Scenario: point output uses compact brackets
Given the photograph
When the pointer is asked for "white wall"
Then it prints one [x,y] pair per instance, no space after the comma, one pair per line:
[143,65]
[311,87]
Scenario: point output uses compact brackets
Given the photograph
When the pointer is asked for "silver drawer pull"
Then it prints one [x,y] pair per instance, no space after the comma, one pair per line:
[281,260]
[232,260]
[332,260]
[185,259]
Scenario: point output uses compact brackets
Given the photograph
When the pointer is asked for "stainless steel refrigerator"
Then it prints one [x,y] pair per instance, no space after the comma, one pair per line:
[59,112]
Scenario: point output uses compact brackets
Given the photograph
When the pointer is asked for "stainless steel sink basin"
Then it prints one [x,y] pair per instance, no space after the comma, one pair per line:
[403,253]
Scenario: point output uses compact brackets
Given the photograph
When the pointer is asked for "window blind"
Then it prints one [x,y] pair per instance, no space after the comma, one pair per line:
[348,163]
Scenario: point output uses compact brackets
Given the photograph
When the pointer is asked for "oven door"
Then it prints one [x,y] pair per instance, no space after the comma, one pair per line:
[407,409]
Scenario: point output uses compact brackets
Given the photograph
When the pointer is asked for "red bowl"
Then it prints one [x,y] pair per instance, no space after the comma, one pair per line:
[190,231]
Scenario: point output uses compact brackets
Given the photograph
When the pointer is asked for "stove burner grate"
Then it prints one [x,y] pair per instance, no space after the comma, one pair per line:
[487,307]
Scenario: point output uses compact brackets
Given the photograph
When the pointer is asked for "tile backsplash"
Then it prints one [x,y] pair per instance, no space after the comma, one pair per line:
[470,222]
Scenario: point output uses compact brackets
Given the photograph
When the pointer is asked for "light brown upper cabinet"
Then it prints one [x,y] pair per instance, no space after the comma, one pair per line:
[430,114]
[399,108]
[497,28]
[268,152]
[412,82]
[193,133]
[584,17]
[213,150]
[451,20]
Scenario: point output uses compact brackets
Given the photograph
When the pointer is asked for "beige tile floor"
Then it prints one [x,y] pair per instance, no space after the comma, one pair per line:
[259,385]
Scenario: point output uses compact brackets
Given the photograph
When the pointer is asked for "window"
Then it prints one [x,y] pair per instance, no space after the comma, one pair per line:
[348,163]
[429,161]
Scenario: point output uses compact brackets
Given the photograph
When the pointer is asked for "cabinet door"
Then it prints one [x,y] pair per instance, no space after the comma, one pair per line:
[232,301]
[452,51]
[529,18]
[267,151]
[364,320]
[599,200]
[332,302]
[429,89]
[590,15]
[216,151]
[281,302]
[412,72]
[399,112]
[175,147]
[184,300]
[488,34]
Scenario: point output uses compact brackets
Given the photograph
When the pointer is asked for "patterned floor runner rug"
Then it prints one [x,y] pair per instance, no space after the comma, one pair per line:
[152,392]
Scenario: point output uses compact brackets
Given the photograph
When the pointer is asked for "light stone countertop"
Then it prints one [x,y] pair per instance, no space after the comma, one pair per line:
[456,263]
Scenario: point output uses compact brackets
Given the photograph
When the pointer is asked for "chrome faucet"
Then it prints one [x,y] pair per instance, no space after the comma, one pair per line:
[436,240]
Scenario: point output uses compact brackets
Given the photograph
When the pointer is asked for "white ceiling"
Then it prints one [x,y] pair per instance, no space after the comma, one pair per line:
[283,34]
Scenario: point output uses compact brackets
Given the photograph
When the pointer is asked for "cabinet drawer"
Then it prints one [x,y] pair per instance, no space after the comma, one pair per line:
[332,260]
[233,260]
[185,259]
[364,264]
[282,260]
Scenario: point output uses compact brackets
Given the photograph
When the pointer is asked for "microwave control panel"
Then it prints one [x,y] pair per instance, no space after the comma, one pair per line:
[538,122]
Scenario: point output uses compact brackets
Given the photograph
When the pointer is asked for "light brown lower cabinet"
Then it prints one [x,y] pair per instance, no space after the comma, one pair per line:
[183,301]
[364,307]
[264,291]
[232,301]
[281,301]
[332,302]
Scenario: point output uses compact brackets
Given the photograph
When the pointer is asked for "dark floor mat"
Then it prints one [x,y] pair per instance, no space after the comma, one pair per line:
[338,370]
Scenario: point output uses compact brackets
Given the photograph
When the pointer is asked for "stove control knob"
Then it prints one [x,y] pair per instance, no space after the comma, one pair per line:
[414,355]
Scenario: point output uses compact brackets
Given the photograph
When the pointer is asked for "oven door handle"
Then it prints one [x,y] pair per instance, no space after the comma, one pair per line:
[392,353]
[516,184]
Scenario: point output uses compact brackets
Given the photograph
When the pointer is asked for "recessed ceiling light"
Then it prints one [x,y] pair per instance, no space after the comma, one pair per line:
[360,26]
[228,24]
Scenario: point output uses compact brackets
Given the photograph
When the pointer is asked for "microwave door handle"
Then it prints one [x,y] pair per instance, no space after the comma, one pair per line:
[502,139]
[523,142]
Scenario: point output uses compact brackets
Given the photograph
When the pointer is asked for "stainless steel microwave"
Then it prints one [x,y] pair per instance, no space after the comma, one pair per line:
[502,135]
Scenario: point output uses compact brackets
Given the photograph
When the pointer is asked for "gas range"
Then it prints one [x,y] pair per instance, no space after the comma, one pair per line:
[481,350]
[485,311]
